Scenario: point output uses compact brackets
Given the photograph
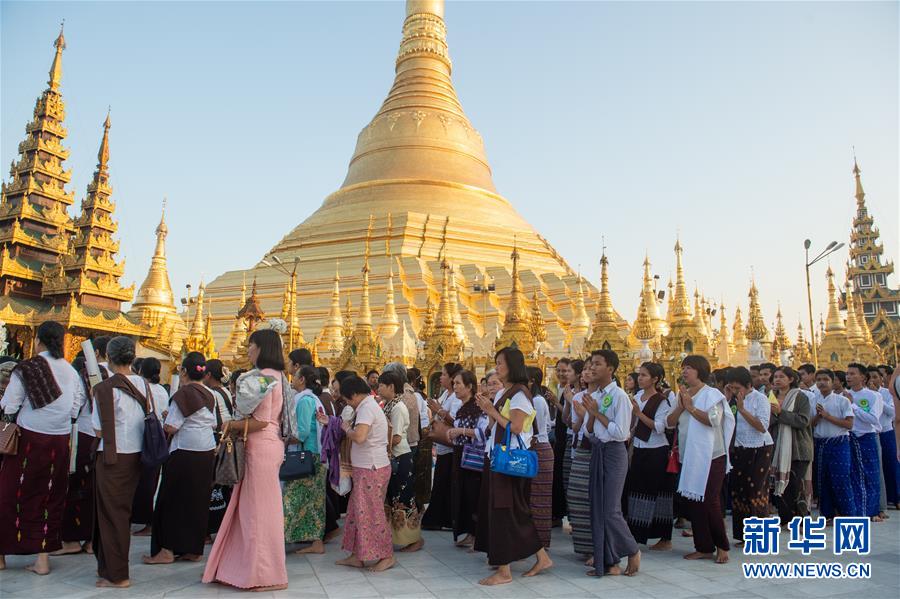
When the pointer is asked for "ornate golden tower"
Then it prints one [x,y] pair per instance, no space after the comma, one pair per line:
[802,349]
[879,302]
[517,330]
[644,331]
[605,332]
[362,349]
[835,350]
[724,348]
[331,338]
[781,344]
[756,328]
[154,304]
[441,342]
[420,161]
[685,334]
[90,271]
[648,298]
[34,225]
[238,329]
[858,333]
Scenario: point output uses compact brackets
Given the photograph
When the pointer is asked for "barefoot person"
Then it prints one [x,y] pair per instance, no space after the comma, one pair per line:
[182,506]
[367,533]
[304,498]
[709,428]
[44,394]
[649,488]
[505,530]
[608,427]
[120,403]
[248,552]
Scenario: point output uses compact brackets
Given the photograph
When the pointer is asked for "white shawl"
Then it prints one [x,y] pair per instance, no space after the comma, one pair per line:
[699,444]
[784,447]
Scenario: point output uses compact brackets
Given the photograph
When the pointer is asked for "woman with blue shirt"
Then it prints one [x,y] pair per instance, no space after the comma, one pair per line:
[304,498]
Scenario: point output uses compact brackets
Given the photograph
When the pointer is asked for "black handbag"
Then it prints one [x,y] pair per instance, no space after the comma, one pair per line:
[297,464]
[155,449]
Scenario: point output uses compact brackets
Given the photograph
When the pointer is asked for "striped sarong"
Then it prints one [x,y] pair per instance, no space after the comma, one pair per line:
[865,472]
[541,500]
[833,477]
[579,502]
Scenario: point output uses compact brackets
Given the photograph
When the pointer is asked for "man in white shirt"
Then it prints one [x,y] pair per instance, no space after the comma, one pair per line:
[831,432]
[889,459]
[609,426]
[866,471]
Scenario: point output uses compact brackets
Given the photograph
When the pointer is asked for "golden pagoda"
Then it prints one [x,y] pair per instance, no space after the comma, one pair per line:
[517,325]
[835,350]
[802,350]
[238,330]
[154,303]
[879,303]
[417,163]
[330,340]
[685,334]
[605,333]
[648,298]
[644,331]
[197,339]
[362,348]
[724,347]
[781,344]
[440,340]
[51,267]
[865,348]
[756,328]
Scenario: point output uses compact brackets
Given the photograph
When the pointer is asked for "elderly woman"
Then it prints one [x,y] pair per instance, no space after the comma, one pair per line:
[42,397]
[367,534]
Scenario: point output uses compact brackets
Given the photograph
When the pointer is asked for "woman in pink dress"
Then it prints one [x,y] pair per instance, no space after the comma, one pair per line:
[249,550]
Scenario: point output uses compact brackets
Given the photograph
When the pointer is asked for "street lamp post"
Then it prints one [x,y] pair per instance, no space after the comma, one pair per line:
[278,265]
[830,249]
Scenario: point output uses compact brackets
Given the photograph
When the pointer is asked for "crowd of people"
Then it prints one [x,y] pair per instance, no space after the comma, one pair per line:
[618,460]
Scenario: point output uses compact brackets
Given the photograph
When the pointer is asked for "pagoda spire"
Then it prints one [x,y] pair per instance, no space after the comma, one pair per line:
[833,323]
[364,318]
[860,194]
[581,322]
[854,330]
[681,304]
[348,319]
[605,330]
[802,350]
[739,337]
[781,342]
[251,312]
[538,330]
[196,339]
[55,80]
[444,319]
[648,298]
[643,327]
[91,271]
[239,327]
[723,349]
[756,325]
[699,316]
[390,323]
[35,225]
[605,310]
[516,325]
[331,337]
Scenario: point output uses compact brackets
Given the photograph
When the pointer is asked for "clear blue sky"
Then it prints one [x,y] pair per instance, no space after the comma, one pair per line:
[731,122]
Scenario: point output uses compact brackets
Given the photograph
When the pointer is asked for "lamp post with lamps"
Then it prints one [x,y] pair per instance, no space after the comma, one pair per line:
[278,265]
[829,249]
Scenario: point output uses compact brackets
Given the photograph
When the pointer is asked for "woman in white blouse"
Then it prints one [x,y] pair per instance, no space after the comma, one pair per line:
[505,529]
[440,512]
[703,441]
[182,506]
[649,488]
[44,395]
[752,453]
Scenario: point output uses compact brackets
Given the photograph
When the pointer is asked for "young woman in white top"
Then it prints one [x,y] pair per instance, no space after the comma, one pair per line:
[649,488]
[120,404]
[182,506]
[541,497]
[505,530]
[440,513]
[752,453]
[400,502]
[704,446]
[864,441]
[44,395]
[831,435]
[578,491]
[367,533]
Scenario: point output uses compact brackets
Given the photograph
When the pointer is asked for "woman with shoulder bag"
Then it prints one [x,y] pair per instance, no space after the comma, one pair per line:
[304,498]
[182,505]
[43,396]
[248,552]
[468,435]
[506,531]
[144,496]
[120,407]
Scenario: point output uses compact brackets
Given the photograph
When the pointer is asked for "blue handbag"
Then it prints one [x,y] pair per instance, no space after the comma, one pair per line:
[519,462]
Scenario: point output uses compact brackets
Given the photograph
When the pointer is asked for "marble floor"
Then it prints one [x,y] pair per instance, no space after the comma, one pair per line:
[442,570]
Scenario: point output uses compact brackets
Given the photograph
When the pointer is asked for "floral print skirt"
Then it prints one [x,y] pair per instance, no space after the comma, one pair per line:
[304,508]
[367,533]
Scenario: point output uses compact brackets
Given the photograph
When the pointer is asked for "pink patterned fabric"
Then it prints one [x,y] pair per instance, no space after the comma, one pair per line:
[367,533]
[249,549]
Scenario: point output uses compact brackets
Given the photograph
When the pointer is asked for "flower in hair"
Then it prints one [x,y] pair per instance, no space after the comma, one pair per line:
[200,367]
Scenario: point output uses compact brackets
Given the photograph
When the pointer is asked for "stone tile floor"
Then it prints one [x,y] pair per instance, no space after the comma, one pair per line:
[442,570]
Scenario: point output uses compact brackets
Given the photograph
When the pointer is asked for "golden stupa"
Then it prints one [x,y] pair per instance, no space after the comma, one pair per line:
[419,186]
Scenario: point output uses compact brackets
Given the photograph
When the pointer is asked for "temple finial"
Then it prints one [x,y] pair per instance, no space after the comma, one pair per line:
[56,66]
[103,153]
